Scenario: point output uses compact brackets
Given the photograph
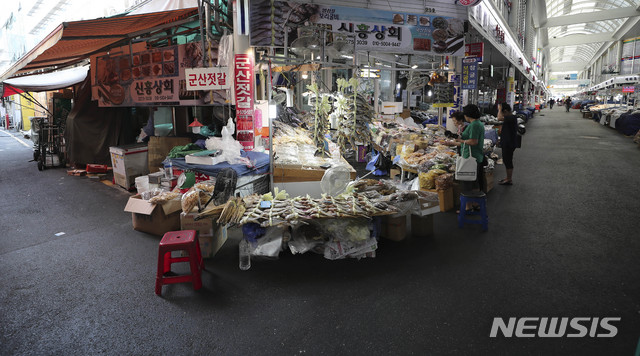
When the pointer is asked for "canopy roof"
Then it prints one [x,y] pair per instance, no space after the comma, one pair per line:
[45,82]
[72,42]
[578,31]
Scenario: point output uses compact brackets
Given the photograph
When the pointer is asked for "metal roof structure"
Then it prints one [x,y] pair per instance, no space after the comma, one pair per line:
[576,32]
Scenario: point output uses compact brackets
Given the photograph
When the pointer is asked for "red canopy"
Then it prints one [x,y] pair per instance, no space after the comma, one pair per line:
[72,42]
[8,90]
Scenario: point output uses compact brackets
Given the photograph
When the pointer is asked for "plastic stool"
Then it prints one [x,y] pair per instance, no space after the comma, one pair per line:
[185,240]
[473,197]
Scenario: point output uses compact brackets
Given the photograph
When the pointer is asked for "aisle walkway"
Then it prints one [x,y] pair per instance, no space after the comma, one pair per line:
[562,241]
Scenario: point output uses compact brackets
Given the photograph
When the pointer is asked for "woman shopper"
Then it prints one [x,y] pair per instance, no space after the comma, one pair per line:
[508,139]
[473,137]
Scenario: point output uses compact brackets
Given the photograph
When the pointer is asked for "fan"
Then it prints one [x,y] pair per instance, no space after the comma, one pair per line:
[279,97]
[308,43]
[339,46]
[335,180]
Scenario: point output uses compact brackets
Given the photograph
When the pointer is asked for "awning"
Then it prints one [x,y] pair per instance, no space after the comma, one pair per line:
[74,41]
[163,5]
[44,82]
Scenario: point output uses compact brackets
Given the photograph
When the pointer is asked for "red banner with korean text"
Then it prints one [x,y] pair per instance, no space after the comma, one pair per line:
[244,89]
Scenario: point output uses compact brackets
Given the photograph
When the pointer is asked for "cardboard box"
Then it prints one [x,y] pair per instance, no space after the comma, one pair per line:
[393,172]
[204,227]
[159,148]
[445,198]
[210,245]
[426,207]
[154,219]
[394,228]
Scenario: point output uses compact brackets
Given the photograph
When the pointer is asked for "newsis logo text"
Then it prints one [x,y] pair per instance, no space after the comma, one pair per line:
[554,327]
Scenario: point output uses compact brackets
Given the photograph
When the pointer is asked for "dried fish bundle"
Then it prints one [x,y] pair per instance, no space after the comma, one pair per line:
[280,212]
[320,123]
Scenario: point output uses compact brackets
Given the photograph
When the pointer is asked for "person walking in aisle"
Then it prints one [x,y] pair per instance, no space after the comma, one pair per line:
[567,103]
[551,102]
[508,139]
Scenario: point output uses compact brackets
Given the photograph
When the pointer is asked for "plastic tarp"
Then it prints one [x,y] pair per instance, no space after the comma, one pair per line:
[260,165]
[49,81]
[91,130]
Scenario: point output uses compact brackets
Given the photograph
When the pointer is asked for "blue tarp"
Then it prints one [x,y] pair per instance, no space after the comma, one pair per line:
[491,134]
[259,160]
[628,124]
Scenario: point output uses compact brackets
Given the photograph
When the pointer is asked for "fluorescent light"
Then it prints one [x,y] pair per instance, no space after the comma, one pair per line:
[414,66]
[347,56]
[429,93]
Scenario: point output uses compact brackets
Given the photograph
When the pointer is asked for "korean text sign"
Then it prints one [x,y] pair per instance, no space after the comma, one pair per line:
[244,90]
[212,78]
[469,73]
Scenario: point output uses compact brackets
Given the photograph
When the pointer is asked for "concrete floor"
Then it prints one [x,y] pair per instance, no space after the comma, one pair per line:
[563,241]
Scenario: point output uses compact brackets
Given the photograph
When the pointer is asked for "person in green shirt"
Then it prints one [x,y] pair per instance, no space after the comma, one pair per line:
[473,136]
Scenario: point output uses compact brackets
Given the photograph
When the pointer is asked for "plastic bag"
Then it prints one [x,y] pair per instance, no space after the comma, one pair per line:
[345,229]
[164,197]
[253,231]
[305,238]
[270,244]
[444,181]
[427,180]
[227,144]
[192,198]
[147,195]
[225,50]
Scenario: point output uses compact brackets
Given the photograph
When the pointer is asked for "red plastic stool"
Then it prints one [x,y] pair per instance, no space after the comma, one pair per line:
[185,240]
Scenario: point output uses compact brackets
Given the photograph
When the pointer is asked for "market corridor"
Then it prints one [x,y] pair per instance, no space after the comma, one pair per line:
[562,242]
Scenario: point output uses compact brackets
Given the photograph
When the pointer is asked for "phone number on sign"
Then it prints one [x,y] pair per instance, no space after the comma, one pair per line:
[385,44]
[155,98]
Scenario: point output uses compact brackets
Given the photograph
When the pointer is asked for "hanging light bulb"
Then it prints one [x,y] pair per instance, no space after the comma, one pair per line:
[195,126]
[305,75]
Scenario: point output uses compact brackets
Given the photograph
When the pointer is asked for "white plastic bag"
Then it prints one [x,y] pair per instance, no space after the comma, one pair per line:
[227,144]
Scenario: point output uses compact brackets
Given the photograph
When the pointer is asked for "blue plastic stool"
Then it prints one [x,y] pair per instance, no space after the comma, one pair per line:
[473,197]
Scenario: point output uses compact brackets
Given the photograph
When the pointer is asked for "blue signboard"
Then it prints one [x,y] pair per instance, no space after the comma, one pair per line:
[470,73]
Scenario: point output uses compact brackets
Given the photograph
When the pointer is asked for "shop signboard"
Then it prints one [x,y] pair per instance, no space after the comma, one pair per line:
[150,77]
[212,78]
[628,89]
[439,29]
[243,88]
[469,73]
[474,50]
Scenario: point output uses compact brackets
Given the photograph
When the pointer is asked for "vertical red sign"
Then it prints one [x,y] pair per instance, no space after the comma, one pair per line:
[243,86]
